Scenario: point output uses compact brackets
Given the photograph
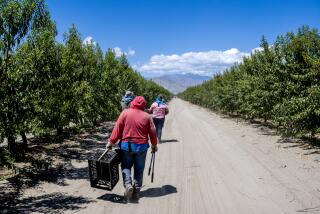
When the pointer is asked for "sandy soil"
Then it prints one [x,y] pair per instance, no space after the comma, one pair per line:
[207,164]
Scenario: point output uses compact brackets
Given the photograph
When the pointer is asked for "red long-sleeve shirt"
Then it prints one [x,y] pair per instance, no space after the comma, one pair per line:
[135,125]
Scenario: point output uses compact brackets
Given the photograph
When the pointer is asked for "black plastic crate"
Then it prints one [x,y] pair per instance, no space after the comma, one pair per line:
[104,173]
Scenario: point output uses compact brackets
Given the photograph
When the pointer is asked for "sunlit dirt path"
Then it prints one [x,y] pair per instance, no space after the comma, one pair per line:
[206,164]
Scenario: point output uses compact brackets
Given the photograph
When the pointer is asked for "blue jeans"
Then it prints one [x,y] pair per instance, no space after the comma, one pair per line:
[158,122]
[137,160]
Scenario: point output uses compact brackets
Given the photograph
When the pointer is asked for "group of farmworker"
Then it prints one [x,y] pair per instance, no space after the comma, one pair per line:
[132,131]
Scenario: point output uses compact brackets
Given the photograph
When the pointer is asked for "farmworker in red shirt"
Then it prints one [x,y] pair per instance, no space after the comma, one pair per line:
[133,129]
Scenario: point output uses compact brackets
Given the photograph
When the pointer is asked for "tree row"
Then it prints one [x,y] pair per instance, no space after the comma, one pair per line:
[47,86]
[279,83]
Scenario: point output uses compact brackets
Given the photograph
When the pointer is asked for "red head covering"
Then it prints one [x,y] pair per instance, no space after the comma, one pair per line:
[138,102]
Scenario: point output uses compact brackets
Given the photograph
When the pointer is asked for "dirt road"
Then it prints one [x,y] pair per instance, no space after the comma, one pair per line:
[207,164]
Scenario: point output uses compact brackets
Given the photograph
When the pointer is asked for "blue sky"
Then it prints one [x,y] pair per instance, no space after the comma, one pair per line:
[176,36]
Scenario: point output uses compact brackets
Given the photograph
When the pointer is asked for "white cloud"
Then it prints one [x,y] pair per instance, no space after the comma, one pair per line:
[131,52]
[202,63]
[119,52]
[257,49]
[89,41]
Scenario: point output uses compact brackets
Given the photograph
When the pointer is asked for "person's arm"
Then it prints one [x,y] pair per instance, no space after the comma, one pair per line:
[167,110]
[151,109]
[118,129]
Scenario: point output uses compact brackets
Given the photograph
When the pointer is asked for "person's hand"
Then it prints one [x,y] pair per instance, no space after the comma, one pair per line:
[109,146]
[154,148]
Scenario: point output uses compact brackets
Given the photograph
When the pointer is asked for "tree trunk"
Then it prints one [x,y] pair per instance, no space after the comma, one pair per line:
[95,122]
[59,131]
[312,134]
[11,145]
[24,139]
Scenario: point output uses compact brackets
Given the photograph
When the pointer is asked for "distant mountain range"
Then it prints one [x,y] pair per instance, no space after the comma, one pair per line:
[177,83]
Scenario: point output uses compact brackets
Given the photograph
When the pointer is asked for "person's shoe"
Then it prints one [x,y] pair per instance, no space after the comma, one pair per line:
[136,193]
[128,192]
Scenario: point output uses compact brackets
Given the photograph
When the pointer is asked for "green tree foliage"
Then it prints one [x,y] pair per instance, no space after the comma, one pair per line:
[47,86]
[279,83]
[76,94]
[16,19]
[39,61]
